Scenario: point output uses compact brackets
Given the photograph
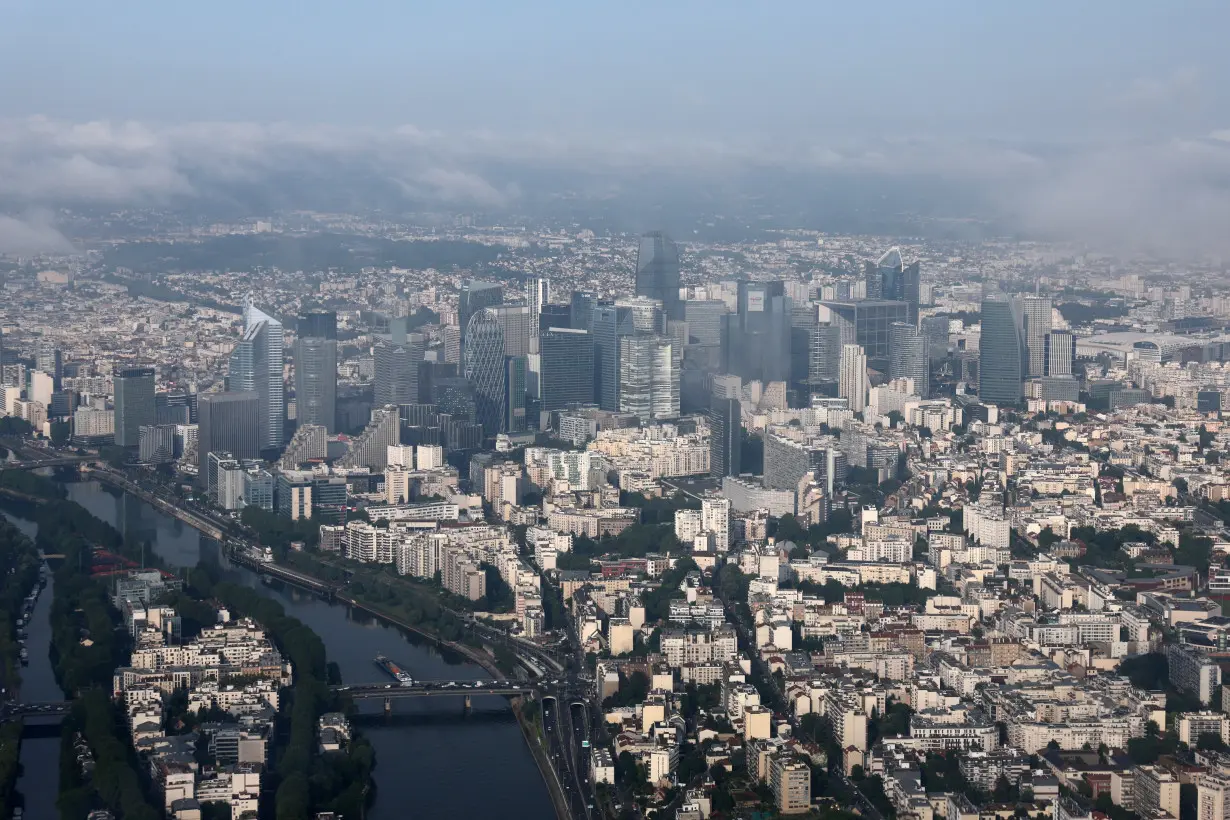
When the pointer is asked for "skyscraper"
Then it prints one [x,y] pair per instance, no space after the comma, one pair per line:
[756,340]
[824,354]
[316,370]
[725,436]
[657,272]
[134,404]
[537,294]
[228,422]
[553,315]
[866,324]
[1060,353]
[610,324]
[397,371]
[476,295]
[649,377]
[581,310]
[519,324]
[890,279]
[256,366]
[908,357]
[704,320]
[515,380]
[484,368]
[935,330]
[1037,315]
[853,384]
[1002,353]
[647,314]
[567,360]
[47,358]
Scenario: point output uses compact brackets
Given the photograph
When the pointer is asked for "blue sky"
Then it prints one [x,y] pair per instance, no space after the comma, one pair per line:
[718,70]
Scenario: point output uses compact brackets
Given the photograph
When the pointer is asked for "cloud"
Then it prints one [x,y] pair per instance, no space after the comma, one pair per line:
[1177,87]
[35,235]
[1166,196]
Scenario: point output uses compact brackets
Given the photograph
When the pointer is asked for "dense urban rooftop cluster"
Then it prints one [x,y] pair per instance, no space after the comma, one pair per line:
[827,527]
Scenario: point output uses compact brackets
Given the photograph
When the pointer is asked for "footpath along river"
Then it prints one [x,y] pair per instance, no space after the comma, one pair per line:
[432,761]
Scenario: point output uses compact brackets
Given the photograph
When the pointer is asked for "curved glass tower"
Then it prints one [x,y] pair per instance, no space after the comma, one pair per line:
[256,365]
[1002,353]
[657,272]
[484,368]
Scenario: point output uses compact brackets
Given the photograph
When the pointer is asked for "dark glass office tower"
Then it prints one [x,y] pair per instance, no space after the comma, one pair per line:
[397,368]
[484,368]
[316,370]
[657,272]
[610,324]
[866,324]
[134,404]
[556,316]
[476,295]
[567,368]
[890,279]
[515,380]
[704,320]
[725,436]
[581,310]
[1002,353]
[908,357]
[757,343]
[228,422]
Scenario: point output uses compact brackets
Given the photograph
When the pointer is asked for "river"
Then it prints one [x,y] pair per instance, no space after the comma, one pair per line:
[432,761]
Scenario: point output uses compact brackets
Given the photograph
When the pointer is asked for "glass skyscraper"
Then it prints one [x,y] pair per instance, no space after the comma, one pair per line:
[1037,316]
[134,404]
[1002,353]
[890,279]
[657,272]
[316,370]
[581,310]
[756,343]
[566,374]
[476,295]
[397,371]
[649,377]
[610,324]
[484,368]
[908,357]
[725,436]
[256,366]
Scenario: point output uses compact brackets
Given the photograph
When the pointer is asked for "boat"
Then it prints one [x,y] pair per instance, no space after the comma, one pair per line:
[402,677]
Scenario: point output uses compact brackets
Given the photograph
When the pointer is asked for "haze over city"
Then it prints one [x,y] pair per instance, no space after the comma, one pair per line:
[1068,121]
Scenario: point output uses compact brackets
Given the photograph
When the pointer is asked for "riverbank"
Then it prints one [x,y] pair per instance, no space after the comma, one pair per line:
[529,731]
[426,762]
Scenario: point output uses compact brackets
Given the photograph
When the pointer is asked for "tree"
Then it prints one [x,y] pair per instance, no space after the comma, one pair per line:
[1180,484]
[61,431]
[1211,741]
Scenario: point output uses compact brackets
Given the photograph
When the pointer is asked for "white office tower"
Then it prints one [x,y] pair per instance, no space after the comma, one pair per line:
[397,484]
[853,384]
[715,518]
[401,455]
[429,456]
